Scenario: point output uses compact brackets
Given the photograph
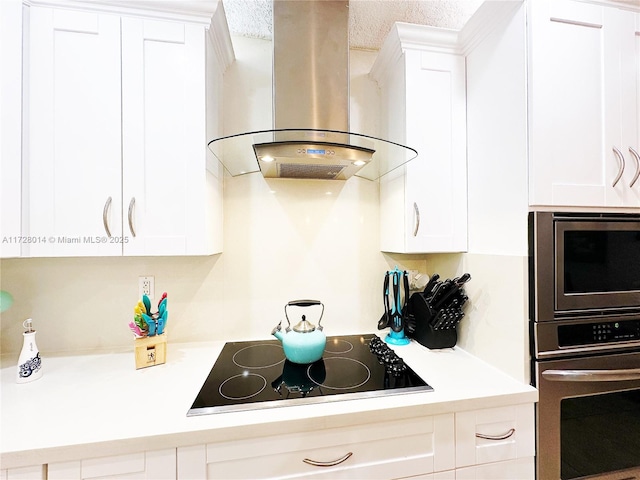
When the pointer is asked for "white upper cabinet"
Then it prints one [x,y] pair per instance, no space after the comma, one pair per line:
[423,206]
[164,142]
[73,145]
[10,126]
[583,105]
[630,116]
[115,150]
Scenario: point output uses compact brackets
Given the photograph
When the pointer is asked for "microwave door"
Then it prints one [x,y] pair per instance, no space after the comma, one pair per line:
[597,265]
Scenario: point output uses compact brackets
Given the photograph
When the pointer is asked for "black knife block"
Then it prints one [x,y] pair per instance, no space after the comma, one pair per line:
[424,333]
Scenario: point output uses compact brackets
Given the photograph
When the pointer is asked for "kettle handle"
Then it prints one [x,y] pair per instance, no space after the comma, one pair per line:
[304,303]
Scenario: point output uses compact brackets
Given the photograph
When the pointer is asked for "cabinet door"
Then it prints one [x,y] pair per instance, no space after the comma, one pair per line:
[627,192]
[153,465]
[436,181]
[164,158]
[583,103]
[72,151]
[10,126]
[393,184]
[494,435]
[570,86]
[423,206]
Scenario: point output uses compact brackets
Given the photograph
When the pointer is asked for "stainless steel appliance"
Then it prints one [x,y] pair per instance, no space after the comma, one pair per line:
[585,331]
[255,374]
[311,137]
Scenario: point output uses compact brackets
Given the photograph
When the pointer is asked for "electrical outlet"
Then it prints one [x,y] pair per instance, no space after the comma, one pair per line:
[146,286]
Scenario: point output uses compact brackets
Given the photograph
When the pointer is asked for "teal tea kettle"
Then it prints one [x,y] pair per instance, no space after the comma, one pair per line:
[304,343]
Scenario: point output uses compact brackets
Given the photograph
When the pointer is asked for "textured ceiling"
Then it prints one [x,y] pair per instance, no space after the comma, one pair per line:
[370,20]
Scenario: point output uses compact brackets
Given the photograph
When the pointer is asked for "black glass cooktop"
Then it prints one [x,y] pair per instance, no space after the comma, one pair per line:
[256,374]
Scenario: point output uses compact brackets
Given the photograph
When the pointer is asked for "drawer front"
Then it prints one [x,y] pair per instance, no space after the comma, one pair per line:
[36,472]
[381,450]
[156,465]
[494,435]
[518,469]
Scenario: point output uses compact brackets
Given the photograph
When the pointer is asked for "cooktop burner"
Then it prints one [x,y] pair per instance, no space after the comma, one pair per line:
[256,374]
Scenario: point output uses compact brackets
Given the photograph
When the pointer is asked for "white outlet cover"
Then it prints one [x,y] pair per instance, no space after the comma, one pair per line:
[146,285]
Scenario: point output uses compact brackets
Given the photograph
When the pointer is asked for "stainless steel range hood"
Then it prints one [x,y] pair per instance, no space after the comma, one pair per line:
[311,137]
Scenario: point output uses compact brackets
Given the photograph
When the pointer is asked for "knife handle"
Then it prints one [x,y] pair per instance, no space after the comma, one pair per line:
[430,284]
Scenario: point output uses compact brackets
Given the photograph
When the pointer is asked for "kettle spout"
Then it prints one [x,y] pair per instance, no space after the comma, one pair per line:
[277,331]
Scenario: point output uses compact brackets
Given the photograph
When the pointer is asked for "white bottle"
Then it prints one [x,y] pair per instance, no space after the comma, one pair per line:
[29,362]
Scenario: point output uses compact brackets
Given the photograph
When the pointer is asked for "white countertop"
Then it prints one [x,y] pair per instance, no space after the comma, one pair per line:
[98,404]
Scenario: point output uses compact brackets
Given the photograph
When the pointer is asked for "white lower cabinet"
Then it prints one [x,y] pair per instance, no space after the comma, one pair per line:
[35,472]
[153,465]
[518,469]
[494,435]
[487,444]
[382,450]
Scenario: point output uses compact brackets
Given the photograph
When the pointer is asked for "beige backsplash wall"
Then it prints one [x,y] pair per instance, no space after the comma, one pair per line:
[85,303]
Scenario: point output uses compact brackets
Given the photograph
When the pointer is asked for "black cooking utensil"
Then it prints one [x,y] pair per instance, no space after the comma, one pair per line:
[396,324]
[385,319]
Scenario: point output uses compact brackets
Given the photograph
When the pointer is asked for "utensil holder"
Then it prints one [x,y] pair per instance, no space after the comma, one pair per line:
[150,351]
[424,333]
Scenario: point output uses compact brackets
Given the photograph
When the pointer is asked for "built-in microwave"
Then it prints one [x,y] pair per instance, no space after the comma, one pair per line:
[583,264]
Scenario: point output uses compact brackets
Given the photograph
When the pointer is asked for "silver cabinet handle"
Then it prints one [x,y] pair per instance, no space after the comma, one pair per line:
[636,156]
[417,222]
[105,220]
[331,463]
[592,375]
[620,157]
[132,204]
[504,436]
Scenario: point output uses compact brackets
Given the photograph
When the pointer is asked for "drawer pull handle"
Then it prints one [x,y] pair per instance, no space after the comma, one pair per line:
[497,437]
[417,221]
[331,463]
[130,215]
[105,220]
[636,156]
[618,154]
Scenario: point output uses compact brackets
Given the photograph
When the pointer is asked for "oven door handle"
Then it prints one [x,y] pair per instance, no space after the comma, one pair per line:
[592,375]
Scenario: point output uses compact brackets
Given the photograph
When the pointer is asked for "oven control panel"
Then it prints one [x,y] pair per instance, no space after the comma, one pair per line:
[598,333]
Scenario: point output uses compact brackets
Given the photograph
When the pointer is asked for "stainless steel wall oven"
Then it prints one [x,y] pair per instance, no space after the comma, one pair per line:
[585,344]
